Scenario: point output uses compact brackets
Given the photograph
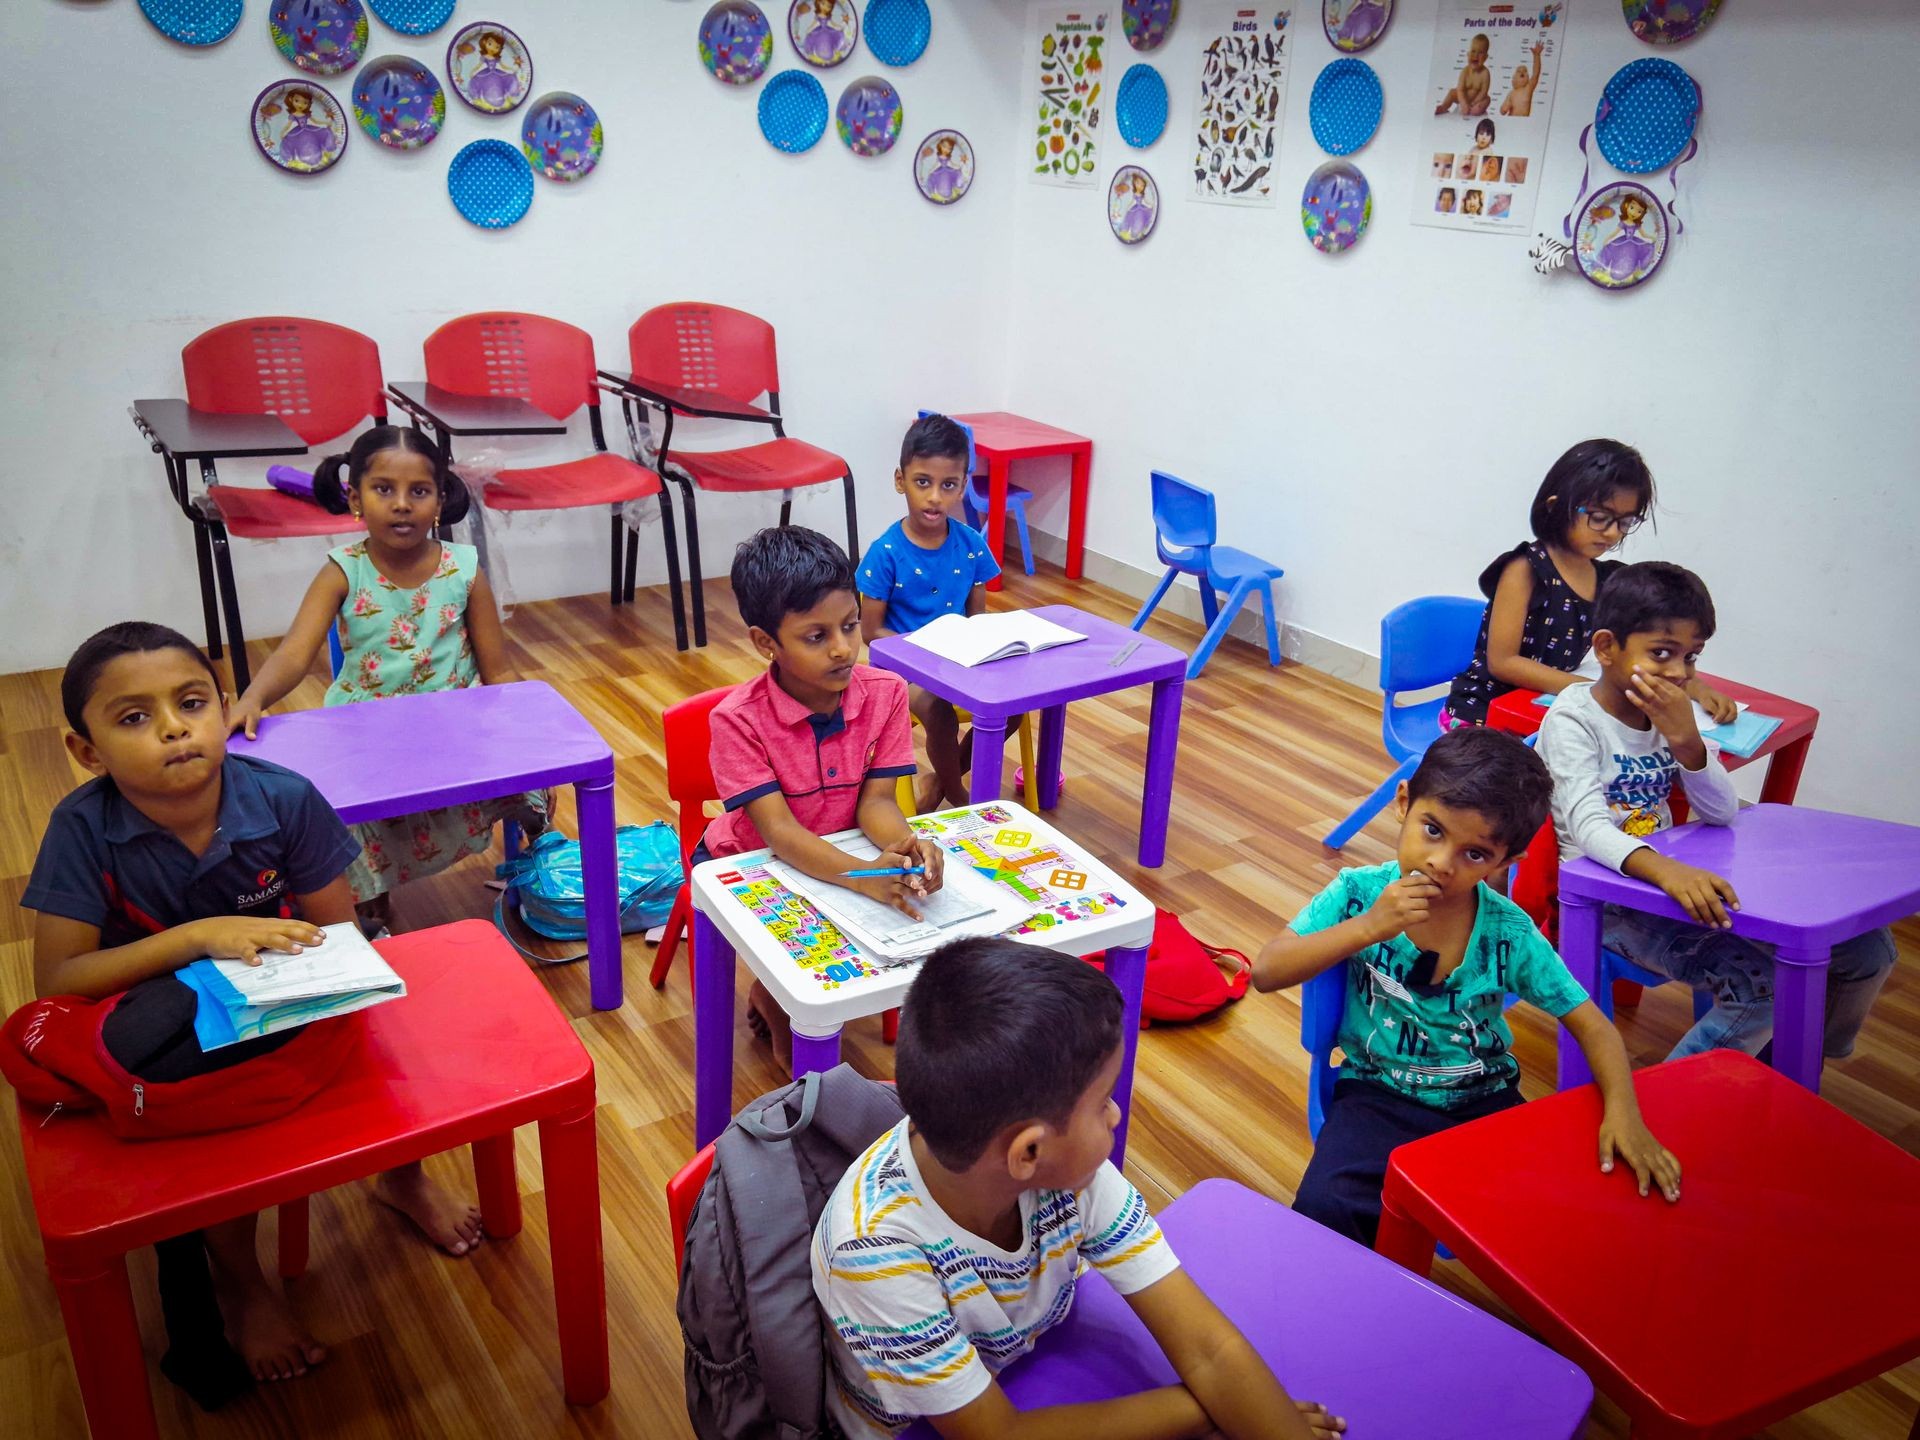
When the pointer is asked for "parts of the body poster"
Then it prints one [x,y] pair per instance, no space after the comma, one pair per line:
[1242,101]
[1072,94]
[1489,99]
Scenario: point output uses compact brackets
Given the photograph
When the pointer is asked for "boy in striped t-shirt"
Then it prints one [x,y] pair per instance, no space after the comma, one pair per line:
[955,1242]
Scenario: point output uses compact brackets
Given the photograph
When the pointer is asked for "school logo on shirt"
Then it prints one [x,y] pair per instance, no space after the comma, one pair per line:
[269,886]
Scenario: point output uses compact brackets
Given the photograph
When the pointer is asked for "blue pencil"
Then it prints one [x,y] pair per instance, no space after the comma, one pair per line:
[888,870]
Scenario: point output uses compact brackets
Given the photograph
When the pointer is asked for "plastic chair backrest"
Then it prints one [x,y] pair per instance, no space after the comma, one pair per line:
[706,347]
[321,379]
[687,728]
[545,362]
[1428,641]
[1321,1000]
[682,1190]
[1184,523]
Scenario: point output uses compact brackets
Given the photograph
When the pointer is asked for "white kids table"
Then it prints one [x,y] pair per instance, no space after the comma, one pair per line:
[822,980]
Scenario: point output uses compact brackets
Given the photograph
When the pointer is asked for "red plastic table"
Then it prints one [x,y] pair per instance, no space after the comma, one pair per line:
[1785,1274]
[1001,438]
[476,1048]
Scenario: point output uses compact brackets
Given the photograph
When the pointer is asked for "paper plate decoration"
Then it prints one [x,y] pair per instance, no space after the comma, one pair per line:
[1140,106]
[1346,104]
[1355,25]
[793,111]
[413,17]
[1336,207]
[561,136]
[1133,204]
[322,37]
[193,22]
[299,126]
[488,67]
[1646,116]
[1146,22]
[898,30]
[823,31]
[736,41]
[943,166]
[490,184]
[1667,22]
[398,102]
[869,116]
[1620,236]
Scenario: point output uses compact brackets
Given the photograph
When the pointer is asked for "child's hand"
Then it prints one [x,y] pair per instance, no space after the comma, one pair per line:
[1325,1426]
[1628,1137]
[243,713]
[928,853]
[1406,902]
[1721,707]
[1665,704]
[1705,896]
[243,937]
[894,890]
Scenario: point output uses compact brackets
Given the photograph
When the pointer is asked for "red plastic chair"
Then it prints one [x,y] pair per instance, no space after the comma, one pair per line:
[322,380]
[550,364]
[682,1190]
[713,362]
[688,737]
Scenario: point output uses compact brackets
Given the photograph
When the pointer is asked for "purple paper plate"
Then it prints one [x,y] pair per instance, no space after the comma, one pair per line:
[869,116]
[824,32]
[1355,25]
[736,42]
[398,102]
[322,37]
[1133,205]
[561,136]
[943,166]
[488,67]
[299,126]
[1620,236]
[1668,22]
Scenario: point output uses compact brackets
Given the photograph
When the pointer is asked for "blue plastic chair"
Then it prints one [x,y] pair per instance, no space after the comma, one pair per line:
[1184,533]
[978,503]
[1423,643]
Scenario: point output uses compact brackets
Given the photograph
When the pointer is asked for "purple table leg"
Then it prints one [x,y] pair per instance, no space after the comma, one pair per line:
[1127,969]
[989,753]
[1580,949]
[601,873]
[815,1052]
[1163,744]
[1800,1012]
[712,1030]
[1053,749]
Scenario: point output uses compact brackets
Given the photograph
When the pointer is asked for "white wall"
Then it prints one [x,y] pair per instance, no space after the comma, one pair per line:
[155,218]
[1377,422]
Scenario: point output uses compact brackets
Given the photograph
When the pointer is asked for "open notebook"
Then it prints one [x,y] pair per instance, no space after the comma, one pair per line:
[336,977]
[975,639]
[967,903]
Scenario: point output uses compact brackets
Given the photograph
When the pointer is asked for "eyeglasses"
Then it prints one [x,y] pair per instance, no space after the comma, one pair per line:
[1605,520]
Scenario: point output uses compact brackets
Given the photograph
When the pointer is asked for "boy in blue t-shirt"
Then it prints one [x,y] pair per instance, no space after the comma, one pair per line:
[928,565]
[1431,953]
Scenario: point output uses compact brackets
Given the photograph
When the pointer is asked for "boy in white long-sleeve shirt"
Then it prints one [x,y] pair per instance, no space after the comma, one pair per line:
[1615,749]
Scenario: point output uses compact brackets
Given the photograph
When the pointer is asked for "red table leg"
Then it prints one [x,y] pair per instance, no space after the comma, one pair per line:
[572,1167]
[997,467]
[1077,509]
[293,1239]
[1783,772]
[499,1190]
[97,1304]
[1400,1238]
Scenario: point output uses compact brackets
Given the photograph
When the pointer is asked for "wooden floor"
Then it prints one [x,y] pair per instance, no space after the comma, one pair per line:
[428,1346]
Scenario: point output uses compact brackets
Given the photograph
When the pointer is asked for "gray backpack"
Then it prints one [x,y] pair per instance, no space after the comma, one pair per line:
[755,1348]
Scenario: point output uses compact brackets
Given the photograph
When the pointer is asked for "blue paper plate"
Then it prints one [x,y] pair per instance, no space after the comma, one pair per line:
[1141,109]
[490,184]
[1346,105]
[413,17]
[1646,116]
[793,111]
[898,30]
[193,22]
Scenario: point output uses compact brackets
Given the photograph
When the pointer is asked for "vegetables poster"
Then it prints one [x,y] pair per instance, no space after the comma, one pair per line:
[1066,146]
[1242,101]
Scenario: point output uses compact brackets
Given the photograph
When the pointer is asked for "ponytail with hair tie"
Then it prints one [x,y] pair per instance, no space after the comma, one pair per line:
[455,498]
[329,489]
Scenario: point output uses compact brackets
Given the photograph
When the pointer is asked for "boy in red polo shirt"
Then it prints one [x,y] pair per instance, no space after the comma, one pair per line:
[815,744]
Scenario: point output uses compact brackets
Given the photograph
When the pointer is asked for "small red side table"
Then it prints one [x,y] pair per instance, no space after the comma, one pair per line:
[1785,1274]
[476,1048]
[1002,438]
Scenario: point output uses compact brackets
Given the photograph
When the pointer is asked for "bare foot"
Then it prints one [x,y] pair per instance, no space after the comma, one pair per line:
[770,1023]
[449,1222]
[274,1345]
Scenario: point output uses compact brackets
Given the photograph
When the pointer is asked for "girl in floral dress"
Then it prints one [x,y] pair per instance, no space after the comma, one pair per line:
[415,614]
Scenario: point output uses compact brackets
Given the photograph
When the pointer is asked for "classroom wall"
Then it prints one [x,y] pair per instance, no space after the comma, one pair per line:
[156,218]
[1377,422]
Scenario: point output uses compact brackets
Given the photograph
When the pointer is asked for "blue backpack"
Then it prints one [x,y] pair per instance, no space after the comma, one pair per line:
[546,881]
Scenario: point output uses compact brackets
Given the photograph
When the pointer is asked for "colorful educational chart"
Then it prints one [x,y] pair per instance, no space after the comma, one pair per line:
[1050,877]
[1489,101]
[1066,149]
[1241,103]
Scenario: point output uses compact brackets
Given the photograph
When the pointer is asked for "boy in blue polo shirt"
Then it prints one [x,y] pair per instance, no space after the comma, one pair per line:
[177,851]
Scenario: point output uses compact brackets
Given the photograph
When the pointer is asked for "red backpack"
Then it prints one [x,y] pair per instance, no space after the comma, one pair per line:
[51,1051]
[1184,977]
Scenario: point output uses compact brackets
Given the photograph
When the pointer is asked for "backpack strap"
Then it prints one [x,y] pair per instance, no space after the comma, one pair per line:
[1243,971]
[500,924]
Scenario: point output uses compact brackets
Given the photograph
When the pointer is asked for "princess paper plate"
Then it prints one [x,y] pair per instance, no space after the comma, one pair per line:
[488,67]
[1355,25]
[736,42]
[397,101]
[1646,116]
[943,166]
[322,37]
[824,32]
[1620,236]
[561,136]
[869,116]
[1133,205]
[1346,105]
[299,126]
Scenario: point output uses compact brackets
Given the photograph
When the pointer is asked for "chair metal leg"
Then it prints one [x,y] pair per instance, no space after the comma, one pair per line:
[853,524]
[1159,594]
[1371,806]
[786,511]
[693,561]
[633,564]
[672,543]
[209,601]
[230,603]
[617,525]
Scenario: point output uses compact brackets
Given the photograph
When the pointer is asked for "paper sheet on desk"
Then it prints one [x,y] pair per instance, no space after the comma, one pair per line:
[965,904]
[242,1002]
[1707,725]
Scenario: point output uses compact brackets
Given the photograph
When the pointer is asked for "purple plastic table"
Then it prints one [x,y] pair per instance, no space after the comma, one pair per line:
[420,752]
[1001,689]
[1397,1356]
[1807,880]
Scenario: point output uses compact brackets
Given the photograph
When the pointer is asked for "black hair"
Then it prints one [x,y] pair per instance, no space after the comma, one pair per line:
[994,1033]
[784,570]
[1638,598]
[934,436]
[330,490]
[1583,478]
[1495,775]
[1488,127]
[97,651]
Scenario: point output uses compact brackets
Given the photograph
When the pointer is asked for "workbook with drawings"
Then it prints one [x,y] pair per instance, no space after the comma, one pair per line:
[965,904]
[239,1001]
[975,639]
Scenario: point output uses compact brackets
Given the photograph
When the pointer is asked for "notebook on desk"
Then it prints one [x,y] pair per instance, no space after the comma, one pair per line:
[1741,736]
[336,977]
[976,639]
[965,904]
